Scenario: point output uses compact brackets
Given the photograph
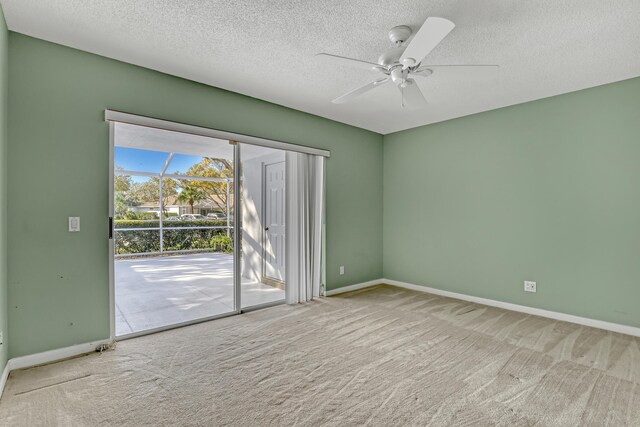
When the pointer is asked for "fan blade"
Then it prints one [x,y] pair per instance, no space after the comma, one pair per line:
[359,91]
[466,67]
[432,32]
[453,71]
[343,60]
[427,70]
[422,72]
[412,95]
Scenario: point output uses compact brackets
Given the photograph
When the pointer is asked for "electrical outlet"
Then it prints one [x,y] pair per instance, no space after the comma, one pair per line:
[74,223]
[342,270]
[529,286]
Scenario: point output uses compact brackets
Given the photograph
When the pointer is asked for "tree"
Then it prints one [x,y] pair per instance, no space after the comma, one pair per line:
[216,192]
[149,191]
[122,185]
[121,182]
[129,193]
[190,195]
[169,189]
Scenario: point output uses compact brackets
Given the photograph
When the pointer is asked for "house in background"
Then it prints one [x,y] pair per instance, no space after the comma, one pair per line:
[173,207]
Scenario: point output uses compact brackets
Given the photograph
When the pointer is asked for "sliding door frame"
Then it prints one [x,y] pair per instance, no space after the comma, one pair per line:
[112,117]
[237,250]
[112,250]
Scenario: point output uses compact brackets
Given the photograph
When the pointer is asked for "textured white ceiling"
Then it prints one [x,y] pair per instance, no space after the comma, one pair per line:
[265,48]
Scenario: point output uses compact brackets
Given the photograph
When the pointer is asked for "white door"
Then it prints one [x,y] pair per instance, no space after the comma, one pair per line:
[274,208]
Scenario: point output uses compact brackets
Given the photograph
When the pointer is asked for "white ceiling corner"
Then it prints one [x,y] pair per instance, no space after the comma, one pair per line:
[265,49]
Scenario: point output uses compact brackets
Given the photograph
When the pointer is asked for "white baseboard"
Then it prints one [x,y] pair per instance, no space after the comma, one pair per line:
[600,324]
[355,287]
[31,360]
[45,357]
[5,376]
[36,359]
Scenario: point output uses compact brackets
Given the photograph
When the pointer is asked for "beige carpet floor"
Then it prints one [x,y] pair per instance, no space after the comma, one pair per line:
[383,356]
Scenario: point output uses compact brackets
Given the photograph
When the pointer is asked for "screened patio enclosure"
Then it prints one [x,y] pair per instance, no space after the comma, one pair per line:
[156,212]
[173,230]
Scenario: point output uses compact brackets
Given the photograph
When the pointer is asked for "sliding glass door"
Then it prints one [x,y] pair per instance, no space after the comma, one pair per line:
[173,228]
[204,227]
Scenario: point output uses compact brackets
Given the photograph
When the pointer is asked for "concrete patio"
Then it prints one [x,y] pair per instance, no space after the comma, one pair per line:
[159,291]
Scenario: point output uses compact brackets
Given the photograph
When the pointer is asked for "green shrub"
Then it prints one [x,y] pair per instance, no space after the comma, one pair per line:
[140,215]
[140,241]
[222,244]
[135,242]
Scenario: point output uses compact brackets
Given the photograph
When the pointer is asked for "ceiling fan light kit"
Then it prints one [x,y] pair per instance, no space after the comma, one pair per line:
[401,63]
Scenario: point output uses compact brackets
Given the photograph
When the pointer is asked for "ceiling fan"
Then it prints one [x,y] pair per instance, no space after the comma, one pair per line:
[403,62]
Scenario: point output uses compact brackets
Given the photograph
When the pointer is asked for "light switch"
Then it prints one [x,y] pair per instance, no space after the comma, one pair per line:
[74,223]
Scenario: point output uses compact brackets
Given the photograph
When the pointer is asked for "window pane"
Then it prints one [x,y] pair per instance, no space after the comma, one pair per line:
[136,201]
[132,159]
[200,200]
[183,164]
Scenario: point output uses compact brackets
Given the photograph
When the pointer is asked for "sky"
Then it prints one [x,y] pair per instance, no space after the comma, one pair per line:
[132,159]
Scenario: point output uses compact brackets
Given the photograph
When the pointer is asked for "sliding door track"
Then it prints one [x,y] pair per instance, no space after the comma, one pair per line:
[196,321]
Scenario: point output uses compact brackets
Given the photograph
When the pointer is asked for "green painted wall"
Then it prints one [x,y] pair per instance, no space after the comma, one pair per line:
[543,191]
[4,87]
[58,286]
[546,191]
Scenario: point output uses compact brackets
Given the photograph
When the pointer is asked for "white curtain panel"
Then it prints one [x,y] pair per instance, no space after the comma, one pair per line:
[304,221]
